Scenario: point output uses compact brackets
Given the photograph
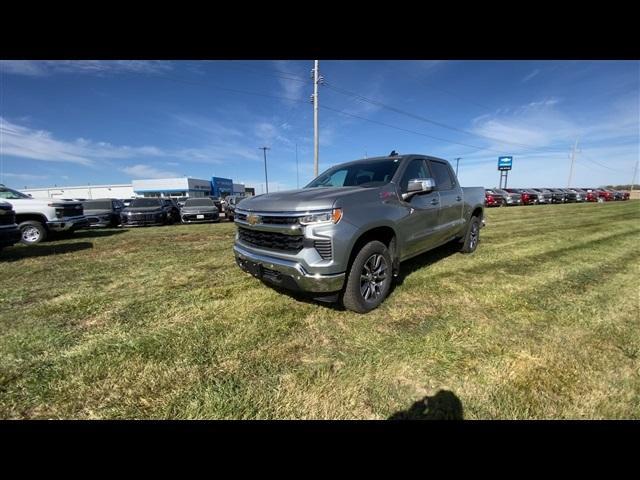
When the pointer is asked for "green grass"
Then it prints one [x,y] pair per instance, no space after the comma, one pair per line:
[541,322]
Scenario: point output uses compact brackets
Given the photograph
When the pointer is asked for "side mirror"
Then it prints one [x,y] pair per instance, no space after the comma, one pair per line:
[419,185]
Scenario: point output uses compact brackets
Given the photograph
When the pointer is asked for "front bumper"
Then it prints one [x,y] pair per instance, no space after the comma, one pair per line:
[285,273]
[102,220]
[69,223]
[9,236]
[206,217]
[142,220]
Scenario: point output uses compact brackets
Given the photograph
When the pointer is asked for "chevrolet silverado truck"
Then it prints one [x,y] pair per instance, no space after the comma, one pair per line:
[9,231]
[37,218]
[345,234]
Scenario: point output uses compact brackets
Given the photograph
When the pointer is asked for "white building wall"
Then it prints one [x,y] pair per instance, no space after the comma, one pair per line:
[83,191]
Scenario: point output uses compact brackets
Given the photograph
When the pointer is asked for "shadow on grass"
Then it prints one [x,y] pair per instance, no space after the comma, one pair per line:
[425,259]
[13,254]
[444,405]
[330,301]
[89,233]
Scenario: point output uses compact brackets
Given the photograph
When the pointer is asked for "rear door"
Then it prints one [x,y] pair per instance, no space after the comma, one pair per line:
[418,228]
[451,200]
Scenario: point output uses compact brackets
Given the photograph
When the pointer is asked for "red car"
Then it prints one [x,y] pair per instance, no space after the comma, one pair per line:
[493,199]
[590,195]
[606,195]
[528,197]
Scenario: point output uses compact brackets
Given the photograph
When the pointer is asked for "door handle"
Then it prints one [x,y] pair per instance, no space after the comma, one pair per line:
[434,201]
[458,198]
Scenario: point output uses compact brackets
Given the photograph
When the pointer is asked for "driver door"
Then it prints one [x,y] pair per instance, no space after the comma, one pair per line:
[420,224]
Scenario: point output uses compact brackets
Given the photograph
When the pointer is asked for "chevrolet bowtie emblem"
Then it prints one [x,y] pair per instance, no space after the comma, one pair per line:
[253,219]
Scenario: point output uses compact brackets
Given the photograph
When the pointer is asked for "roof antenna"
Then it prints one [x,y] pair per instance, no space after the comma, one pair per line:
[393,153]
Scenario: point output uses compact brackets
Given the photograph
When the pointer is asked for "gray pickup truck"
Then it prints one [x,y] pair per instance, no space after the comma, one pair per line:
[344,235]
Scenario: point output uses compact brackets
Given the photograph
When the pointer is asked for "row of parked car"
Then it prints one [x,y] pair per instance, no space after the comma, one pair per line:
[498,197]
[31,220]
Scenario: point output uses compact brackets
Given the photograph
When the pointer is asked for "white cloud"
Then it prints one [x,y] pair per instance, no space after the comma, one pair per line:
[24,142]
[147,171]
[291,87]
[40,68]
[24,176]
[531,75]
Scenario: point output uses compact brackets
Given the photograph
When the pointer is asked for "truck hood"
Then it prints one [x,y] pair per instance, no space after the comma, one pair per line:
[41,202]
[300,200]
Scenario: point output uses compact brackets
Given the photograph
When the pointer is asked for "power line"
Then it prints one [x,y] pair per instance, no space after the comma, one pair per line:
[428,120]
[586,157]
[410,131]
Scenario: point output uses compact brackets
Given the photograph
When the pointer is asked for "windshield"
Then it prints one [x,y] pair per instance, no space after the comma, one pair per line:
[200,202]
[11,194]
[360,174]
[146,202]
[97,205]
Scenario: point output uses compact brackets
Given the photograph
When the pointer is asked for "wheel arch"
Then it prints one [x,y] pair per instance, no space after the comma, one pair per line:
[382,233]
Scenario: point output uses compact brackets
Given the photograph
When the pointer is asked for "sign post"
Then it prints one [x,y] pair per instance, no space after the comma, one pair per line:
[504,165]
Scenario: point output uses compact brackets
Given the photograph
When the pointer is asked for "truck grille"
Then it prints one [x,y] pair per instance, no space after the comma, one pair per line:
[69,210]
[271,240]
[271,219]
[324,248]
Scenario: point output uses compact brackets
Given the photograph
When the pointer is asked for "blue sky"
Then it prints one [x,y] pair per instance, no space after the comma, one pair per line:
[79,122]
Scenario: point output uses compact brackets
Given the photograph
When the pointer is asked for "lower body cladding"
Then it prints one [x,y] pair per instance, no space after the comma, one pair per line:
[200,217]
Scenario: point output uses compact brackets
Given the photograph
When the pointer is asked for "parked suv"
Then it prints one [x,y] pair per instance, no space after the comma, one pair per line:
[37,218]
[347,231]
[149,211]
[103,212]
[9,231]
[199,210]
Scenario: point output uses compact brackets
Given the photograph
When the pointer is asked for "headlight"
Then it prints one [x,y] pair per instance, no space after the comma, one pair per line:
[330,216]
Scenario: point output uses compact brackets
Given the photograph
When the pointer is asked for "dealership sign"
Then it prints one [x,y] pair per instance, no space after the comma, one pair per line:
[504,163]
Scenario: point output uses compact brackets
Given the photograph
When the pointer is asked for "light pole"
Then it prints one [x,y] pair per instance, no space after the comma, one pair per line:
[457,161]
[266,180]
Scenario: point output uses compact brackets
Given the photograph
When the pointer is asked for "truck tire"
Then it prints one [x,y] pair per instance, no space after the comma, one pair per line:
[472,236]
[369,279]
[32,232]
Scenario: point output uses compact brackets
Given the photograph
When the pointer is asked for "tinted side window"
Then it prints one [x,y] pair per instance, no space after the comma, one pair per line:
[416,169]
[442,176]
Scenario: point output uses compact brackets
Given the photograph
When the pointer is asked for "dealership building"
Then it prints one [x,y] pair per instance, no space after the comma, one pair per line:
[154,187]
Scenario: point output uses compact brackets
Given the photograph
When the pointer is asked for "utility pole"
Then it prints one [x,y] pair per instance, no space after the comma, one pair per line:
[266,180]
[573,159]
[297,173]
[635,172]
[316,134]
[457,160]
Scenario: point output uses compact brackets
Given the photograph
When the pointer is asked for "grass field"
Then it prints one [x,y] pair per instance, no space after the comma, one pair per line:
[543,321]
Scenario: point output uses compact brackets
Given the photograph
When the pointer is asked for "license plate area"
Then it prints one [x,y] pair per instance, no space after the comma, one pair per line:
[199,217]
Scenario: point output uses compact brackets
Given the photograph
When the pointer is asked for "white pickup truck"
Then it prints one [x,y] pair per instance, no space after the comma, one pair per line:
[36,218]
